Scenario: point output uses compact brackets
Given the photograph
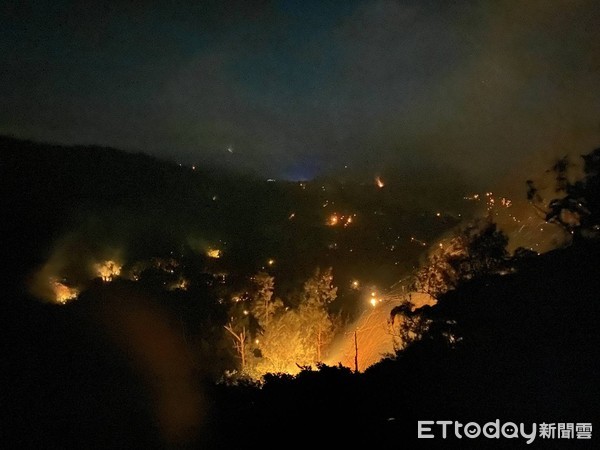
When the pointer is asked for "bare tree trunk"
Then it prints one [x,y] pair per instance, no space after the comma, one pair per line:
[239,341]
[319,345]
[266,312]
[243,349]
[355,353]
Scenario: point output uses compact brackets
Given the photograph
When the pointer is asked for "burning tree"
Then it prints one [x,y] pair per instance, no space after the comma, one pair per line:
[283,345]
[319,327]
[271,338]
[108,270]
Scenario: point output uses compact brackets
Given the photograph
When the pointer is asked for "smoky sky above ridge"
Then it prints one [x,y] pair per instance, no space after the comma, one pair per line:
[293,89]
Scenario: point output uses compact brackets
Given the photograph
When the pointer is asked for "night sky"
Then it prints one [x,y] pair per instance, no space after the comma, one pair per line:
[293,89]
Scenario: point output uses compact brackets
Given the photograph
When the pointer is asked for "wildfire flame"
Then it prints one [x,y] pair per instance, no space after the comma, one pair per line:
[108,270]
[213,253]
[62,292]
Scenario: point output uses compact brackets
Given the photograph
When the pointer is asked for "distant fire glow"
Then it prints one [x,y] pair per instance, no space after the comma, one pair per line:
[344,220]
[213,253]
[108,270]
[379,182]
[490,200]
[181,284]
[62,292]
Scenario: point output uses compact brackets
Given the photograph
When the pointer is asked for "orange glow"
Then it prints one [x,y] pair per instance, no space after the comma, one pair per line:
[62,292]
[162,361]
[181,284]
[213,253]
[373,338]
[379,183]
[108,270]
[344,220]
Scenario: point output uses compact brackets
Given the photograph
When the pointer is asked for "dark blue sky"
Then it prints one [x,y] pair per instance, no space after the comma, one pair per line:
[295,88]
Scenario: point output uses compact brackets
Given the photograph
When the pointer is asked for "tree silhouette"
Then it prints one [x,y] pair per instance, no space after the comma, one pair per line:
[406,326]
[577,211]
[239,333]
[477,249]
